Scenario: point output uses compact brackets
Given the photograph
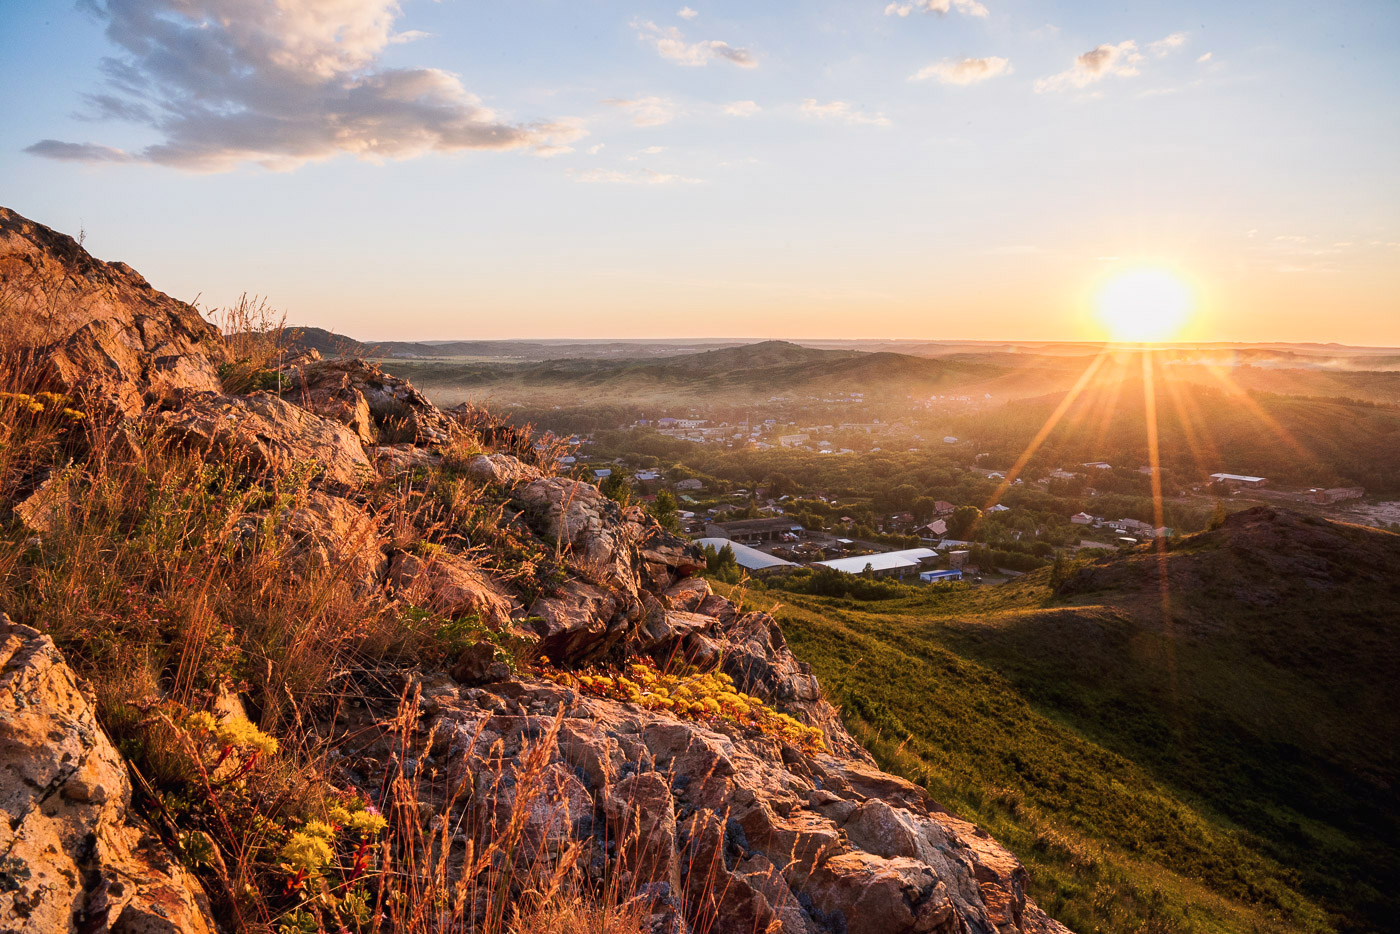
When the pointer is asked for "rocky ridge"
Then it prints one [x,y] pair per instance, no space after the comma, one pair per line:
[730,830]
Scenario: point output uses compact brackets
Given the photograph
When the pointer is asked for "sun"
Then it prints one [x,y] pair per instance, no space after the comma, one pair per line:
[1142,305]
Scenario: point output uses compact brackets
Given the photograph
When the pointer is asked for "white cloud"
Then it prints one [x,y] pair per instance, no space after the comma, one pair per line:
[741,108]
[841,110]
[1164,47]
[670,44]
[686,12]
[646,111]
[594,150]
[281,84]
[964,71]
[1121,59]
[651,150]
[640,177]
[941,7]
[1201,60]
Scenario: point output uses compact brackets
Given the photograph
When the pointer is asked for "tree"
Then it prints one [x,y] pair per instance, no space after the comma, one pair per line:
[962,520]
[664,511]
[614,487]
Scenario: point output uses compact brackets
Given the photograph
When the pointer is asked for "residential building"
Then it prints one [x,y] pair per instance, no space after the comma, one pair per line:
[1239,480]
[941,577]
[754,530]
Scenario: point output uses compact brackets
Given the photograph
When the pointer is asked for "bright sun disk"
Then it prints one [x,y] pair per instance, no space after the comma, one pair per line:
[1144,305]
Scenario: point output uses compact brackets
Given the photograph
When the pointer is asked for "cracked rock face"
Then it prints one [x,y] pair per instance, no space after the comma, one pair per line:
[72,856]
[748,831]
[100,325]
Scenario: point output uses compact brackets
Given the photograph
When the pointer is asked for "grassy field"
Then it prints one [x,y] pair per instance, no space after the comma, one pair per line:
[1226,773]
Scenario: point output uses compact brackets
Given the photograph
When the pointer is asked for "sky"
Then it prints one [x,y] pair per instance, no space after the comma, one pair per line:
[919,169]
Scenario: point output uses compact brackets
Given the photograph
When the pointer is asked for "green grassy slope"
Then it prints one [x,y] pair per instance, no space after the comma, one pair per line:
[1227,769]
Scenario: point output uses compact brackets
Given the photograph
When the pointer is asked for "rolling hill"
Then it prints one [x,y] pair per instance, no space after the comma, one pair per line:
[1228,764]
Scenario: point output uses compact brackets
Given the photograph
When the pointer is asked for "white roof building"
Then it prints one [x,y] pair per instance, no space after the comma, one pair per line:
[886,561]
[750,559]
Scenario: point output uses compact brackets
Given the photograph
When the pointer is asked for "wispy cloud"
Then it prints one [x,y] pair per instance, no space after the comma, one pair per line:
[1164,47]
[969,7]
[1202,59]
[686,12]
[228,81]
[639,177]
[843,111]
[670,44]
[646,111]
[964,70]
[741,108]
[1095,65]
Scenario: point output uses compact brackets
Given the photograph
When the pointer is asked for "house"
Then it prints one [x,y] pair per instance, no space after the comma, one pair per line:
[1082,518]
[999,508]
[753,530]
[1336,495]
[942,509]
[750,559]
[602,473]
[934,531]
[941,577]
[647,476]
[667,422]
[1236,480]
[958,559]
[885,564]
[949,439]
[792,441]
[691,484]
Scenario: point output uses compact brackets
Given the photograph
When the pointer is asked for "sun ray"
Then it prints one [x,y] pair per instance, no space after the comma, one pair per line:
[1048,427]
[1255,409]
[1159,538]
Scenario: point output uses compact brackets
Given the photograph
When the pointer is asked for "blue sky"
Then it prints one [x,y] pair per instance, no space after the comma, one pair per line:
[538,169]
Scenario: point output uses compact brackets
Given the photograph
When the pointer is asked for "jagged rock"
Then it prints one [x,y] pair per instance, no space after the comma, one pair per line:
[395,459]
[269,432]
[749,832]
[377,406]
[100,326]
[48,506]
[578,622]
[451,585]
[477,664]
[331,532]
[72,856]
[503,469]
[687,595]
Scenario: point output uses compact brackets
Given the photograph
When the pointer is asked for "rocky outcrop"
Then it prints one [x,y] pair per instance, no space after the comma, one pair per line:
[72,855]
[269,434]
[380,408]
[99,326]
[743,830]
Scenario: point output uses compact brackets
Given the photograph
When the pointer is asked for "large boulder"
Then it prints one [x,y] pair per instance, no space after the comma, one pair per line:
[377,406]
[269,433]
[72,855]
[99,326]
[452,585]
[332,533]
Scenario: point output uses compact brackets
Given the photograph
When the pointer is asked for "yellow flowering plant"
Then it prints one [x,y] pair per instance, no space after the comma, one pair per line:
[689,694]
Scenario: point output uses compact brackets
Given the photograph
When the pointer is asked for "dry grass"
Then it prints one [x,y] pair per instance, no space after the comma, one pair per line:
[169,581]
